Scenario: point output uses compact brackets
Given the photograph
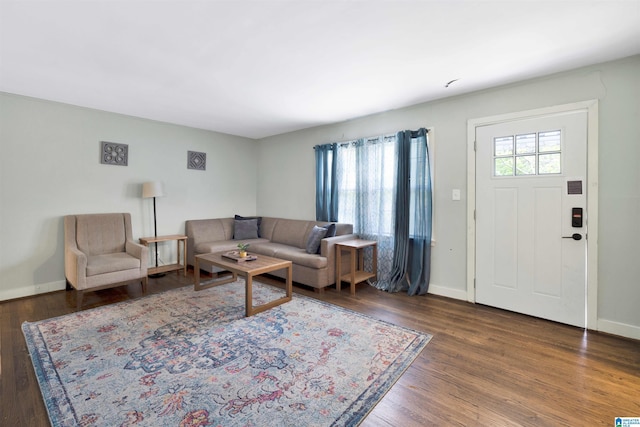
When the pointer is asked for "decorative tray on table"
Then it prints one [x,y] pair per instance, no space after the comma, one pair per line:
[235,256]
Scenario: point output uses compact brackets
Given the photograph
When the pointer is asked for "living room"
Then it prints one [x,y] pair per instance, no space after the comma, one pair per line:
[50,167]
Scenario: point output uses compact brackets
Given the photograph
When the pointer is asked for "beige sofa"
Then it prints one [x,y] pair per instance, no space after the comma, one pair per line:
[99,253]
[279,238]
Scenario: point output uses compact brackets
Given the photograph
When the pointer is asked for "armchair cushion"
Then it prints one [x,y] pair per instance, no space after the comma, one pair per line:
[108,263]
[100,233]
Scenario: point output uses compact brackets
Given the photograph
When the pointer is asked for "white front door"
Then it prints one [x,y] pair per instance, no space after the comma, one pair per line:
[531,194]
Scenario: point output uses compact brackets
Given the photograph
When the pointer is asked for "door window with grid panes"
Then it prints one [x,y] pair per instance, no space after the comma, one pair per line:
[528,154]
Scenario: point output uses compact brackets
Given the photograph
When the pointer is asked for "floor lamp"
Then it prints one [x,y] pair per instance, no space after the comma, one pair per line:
[153,189]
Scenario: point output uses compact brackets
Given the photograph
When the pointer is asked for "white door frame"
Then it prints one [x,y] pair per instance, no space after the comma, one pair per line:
[591,107]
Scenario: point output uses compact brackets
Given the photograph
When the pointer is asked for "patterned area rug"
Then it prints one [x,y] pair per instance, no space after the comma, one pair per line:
[183,358]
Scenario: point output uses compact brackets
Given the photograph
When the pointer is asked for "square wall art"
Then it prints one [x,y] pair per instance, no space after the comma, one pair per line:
[114,154]
[196,160]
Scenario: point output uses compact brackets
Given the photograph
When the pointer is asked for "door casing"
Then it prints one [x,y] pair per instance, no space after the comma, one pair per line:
[591,107]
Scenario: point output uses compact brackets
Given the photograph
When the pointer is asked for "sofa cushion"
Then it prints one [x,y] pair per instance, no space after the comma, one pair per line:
[108,263]
[289,253]
[245,229]
[291,232]
[301,257]
[223,245]
[313,242]
[209,230]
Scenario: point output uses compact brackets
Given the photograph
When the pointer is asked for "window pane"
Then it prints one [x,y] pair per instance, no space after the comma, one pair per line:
[503,166]
[549,163]
[526,144]
[503,146]
[549,141]
[526,165]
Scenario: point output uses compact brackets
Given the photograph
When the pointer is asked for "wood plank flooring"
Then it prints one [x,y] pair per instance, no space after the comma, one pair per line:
[483,367]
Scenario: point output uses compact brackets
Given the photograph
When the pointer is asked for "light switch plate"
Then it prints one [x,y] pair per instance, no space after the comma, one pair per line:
[455,194]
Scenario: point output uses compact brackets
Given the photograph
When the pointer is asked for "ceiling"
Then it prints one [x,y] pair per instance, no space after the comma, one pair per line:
[265,67]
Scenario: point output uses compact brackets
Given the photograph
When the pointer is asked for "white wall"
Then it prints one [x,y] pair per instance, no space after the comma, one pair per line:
[615,84]
[50,167]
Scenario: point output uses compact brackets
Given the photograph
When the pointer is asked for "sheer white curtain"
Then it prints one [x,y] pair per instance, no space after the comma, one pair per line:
[366,176]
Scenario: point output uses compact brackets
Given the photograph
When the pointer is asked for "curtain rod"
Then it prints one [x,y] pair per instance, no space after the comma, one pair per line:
[370,138]
[384,135]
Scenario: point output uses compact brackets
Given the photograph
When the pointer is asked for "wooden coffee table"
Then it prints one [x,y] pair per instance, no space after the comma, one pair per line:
[248,270]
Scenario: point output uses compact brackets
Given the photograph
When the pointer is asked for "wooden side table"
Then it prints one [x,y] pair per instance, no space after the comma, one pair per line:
[170,267]
[357,273]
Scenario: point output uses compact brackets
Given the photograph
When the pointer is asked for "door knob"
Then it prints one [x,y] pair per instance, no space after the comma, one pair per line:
[574,236]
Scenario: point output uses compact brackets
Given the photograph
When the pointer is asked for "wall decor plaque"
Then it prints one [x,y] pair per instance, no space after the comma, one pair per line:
[112,153]
[196,160]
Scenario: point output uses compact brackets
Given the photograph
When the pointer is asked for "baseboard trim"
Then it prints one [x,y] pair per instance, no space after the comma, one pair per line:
[448,292]
[617,328]
[606,326]
[27,291]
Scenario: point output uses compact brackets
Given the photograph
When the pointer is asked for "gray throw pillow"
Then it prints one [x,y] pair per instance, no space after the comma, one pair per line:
[245,229]
[331,230]
[313,243]
[259,218]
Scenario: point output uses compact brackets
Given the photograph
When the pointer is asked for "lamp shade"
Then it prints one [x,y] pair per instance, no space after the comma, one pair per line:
[152,189]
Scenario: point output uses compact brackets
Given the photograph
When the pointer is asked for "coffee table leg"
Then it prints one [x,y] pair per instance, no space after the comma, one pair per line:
[251,310]
[289,281]
[198,286]
[249,295]
[196,273]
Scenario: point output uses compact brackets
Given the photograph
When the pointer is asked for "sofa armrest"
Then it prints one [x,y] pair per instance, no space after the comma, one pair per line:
[75,267]
[138,251]
[328,250]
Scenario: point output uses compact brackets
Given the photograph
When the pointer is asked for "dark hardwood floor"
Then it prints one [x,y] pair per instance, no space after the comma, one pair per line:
[483,366]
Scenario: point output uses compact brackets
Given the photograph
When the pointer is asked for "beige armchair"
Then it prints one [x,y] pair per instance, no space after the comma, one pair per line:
[99,253]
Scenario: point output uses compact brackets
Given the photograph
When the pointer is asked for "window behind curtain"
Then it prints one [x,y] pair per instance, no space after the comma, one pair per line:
[366,180]
[378,170]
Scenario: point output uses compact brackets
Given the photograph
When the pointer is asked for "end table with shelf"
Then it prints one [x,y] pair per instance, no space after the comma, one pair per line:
[179,238]
[357,274]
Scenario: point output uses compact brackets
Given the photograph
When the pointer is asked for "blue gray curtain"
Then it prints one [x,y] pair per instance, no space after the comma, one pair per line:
[402,199]
[418,272]
[326,187]
[411,269]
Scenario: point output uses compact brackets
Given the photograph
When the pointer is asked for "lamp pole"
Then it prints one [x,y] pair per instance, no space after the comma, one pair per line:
[154,189]
[155,234]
